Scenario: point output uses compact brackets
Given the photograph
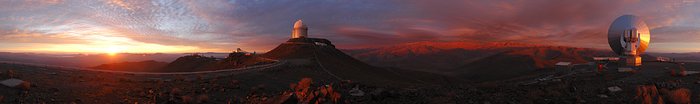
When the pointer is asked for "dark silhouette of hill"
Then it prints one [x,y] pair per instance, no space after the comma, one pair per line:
[141,66]
[197,62]
[321,55]
[189,63]
[237,60]
[85,60]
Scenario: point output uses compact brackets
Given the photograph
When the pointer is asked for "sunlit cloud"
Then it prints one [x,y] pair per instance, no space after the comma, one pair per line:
[258,25]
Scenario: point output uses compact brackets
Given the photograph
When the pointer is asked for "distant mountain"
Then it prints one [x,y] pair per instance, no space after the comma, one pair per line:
[197,62]
[431,47]
[526,61]
[475,60]
[432,56]
[84,60]
[189,63]
[141,66]
[691,56]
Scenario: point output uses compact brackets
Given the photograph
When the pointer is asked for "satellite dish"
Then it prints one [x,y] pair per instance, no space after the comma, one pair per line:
[628,36]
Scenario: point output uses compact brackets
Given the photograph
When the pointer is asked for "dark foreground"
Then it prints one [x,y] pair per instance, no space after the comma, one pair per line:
[48,85]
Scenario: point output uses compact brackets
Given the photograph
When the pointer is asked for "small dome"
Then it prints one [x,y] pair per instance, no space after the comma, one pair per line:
[299,24]
[299,30]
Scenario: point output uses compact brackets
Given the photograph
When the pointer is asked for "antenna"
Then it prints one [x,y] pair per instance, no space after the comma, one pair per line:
[628,37]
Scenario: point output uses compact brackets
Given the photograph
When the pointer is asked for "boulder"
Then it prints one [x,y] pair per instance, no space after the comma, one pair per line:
[614,89]
[12,82]
[357,92]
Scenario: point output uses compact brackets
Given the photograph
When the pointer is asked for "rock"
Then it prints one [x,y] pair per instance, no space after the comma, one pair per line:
[12,82]
[202,98]
[175,92]
[356,92]
[614,89]
[625,70]
[187,99]
[25,85]
[377,91]
[11,73]
[679,96]
[690,73]
[603,96]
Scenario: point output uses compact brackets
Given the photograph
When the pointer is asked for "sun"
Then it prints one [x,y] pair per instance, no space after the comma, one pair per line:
[112,51]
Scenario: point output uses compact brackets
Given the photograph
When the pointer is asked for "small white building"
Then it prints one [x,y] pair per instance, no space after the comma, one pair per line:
[606,58]
[563,66]
[664,59]
[320,44]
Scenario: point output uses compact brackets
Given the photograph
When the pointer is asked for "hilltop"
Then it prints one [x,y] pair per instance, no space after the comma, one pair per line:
[321,55]
[141,66]
[190,63]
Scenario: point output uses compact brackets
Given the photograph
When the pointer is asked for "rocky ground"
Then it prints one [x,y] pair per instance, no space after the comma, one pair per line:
[47,85]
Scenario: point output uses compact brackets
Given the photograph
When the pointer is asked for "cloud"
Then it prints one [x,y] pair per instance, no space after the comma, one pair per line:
[259,25]
[571,23]
[676,34]
[33,37]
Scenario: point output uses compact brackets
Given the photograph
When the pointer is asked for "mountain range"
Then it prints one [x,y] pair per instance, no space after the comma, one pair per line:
[475,60]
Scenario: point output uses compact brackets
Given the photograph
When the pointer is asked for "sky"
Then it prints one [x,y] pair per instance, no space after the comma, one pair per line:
[179,26]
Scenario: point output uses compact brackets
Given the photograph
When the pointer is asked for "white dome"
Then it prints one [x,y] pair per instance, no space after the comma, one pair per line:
[300,30]
[299,24]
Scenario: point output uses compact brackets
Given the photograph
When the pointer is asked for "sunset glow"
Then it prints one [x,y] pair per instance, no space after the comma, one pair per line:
[176,26]
[349,51]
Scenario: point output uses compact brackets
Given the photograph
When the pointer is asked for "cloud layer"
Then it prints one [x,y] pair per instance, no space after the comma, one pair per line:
[259,25]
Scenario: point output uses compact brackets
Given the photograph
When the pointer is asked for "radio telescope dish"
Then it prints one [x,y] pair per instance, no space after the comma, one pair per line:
[628,36]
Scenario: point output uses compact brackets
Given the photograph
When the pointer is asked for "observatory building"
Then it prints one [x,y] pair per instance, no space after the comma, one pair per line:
[300,30]
[629,37]
[300,35]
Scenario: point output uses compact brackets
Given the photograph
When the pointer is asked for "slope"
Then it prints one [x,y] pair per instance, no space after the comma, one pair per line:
[141,66]
[320,54]
[432,56]
[523,62]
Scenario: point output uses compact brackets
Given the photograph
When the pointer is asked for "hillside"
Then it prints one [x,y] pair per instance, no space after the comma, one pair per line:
[475,60]
[482,61]
[433,56]
[141,66]
[523,62]
[196,62]
[321,55]
[189,63]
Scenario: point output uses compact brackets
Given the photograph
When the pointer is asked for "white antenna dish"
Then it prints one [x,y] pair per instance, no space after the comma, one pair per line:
[628,37]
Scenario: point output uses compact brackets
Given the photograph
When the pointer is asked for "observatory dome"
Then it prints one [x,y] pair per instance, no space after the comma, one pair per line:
[299,30]
[628,35]
[299,24]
